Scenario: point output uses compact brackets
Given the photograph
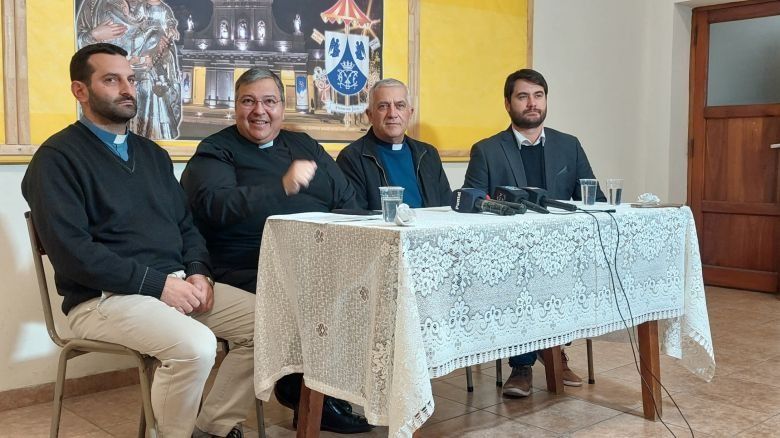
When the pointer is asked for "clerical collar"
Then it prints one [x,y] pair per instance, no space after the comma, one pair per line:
[116,143]
[265,145]
[390,146]
[522,141]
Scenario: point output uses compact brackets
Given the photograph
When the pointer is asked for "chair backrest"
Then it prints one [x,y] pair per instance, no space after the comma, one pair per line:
[38,252]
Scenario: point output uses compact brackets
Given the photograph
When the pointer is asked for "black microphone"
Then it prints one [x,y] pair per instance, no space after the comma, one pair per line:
[473,201]
[515,194]
[518,208]
[539,196]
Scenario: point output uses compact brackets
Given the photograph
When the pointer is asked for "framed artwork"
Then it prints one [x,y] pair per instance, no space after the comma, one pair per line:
[187,55]
[453,57]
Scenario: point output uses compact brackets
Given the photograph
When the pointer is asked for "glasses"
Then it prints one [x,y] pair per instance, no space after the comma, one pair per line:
[268,103]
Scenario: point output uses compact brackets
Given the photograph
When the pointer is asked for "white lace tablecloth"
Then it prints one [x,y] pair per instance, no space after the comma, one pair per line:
[369,311]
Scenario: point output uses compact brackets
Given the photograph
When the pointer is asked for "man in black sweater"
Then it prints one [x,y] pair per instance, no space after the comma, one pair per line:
[245,173]
[386,156]
[128,260]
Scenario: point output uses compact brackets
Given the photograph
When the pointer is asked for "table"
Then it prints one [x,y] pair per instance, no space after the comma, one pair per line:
[370,312]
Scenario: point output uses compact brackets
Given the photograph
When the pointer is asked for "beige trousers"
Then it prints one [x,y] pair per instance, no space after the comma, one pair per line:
[186,347]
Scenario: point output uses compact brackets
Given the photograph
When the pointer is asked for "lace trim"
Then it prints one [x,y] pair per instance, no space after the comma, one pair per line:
[514,350]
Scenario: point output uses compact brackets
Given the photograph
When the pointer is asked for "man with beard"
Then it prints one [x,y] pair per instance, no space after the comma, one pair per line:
[247,172]
[128,260]
[529,155]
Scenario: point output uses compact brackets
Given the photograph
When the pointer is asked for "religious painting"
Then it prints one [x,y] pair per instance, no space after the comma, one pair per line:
[187,55]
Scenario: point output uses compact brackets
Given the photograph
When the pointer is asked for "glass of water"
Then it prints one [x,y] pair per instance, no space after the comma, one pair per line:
[615,188]
[588,188]
[391,197]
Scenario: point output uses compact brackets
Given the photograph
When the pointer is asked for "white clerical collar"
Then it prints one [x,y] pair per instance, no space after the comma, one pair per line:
[265,145]
[522,141]
[398,147]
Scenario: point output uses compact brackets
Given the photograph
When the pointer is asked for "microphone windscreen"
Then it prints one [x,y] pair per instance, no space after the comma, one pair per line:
[465,200]
[509,194]
[535,194]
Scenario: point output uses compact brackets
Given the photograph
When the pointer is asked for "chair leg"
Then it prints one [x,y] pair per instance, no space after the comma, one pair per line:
[469,380]
[146,425]
[591,376]
[59,387]
[499,374]
[260,418]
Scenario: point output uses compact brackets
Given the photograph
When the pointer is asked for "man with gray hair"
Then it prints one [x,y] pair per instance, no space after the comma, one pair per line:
[386,156]
[247,172]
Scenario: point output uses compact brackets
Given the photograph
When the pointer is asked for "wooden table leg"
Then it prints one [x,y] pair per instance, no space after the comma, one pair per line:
[309,413]
[649,366]
[553,369]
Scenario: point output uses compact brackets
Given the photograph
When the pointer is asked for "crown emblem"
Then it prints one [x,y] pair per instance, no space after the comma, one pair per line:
[348,65]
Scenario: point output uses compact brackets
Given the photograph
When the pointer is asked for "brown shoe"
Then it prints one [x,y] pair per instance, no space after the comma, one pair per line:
[519,382]
[569,378]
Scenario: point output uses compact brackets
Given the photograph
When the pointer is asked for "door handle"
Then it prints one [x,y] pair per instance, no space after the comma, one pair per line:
[774,146]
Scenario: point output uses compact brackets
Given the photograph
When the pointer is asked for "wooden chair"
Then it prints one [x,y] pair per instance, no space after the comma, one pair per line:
[73,347]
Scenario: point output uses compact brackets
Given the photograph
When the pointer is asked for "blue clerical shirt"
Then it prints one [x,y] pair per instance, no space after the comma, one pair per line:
[398,165]
[115,143]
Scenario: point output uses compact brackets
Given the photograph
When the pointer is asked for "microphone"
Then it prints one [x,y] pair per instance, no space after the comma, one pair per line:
[539,196]
[519,208]
[473,201]
[515,194]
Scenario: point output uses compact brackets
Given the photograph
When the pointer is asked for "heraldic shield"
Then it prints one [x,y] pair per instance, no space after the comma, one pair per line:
[346,62]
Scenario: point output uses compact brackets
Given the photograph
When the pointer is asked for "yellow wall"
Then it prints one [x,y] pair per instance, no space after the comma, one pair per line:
[50,44]
[467,49]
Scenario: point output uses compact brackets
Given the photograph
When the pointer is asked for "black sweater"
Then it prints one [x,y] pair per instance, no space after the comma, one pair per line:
[109,225]
[233,186]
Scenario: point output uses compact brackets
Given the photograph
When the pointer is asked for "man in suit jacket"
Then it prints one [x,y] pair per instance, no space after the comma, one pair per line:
[528,154]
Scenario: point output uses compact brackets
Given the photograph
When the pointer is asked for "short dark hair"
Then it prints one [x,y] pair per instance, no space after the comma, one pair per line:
[80,70]
[525,74]
[255,74]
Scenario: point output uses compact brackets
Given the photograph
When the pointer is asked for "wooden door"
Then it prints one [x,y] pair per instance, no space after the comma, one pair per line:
[733,184]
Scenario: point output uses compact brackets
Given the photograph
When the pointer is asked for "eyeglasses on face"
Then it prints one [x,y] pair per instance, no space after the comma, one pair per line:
[268,102]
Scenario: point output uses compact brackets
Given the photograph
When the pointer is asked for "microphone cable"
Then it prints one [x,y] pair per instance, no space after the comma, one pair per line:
[631,318]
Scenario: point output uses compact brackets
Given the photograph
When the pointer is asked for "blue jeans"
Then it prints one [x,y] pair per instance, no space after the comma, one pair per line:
[523,360]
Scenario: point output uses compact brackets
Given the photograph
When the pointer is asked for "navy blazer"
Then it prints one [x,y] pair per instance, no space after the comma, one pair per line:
[496,161]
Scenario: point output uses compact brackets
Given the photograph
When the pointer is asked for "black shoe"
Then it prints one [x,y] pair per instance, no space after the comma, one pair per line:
[235,432]
[337,417]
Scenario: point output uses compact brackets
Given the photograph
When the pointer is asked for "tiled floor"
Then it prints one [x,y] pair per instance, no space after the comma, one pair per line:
[743,400]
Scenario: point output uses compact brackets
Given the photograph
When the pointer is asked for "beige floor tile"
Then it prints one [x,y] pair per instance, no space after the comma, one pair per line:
[632,426]
[482,424]
[768,428]
[674,376]
[127,429]
[710,416]
[742,393]
[559,414]
[485,394]
[108,408]
[445,409]
[34,421]
[765,373]
[609,392]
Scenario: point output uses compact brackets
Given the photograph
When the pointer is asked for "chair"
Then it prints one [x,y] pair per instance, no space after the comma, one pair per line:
[73,347]
[258,403]
[500,378]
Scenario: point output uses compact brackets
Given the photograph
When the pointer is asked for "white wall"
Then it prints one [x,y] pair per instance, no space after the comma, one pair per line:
[618,74]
